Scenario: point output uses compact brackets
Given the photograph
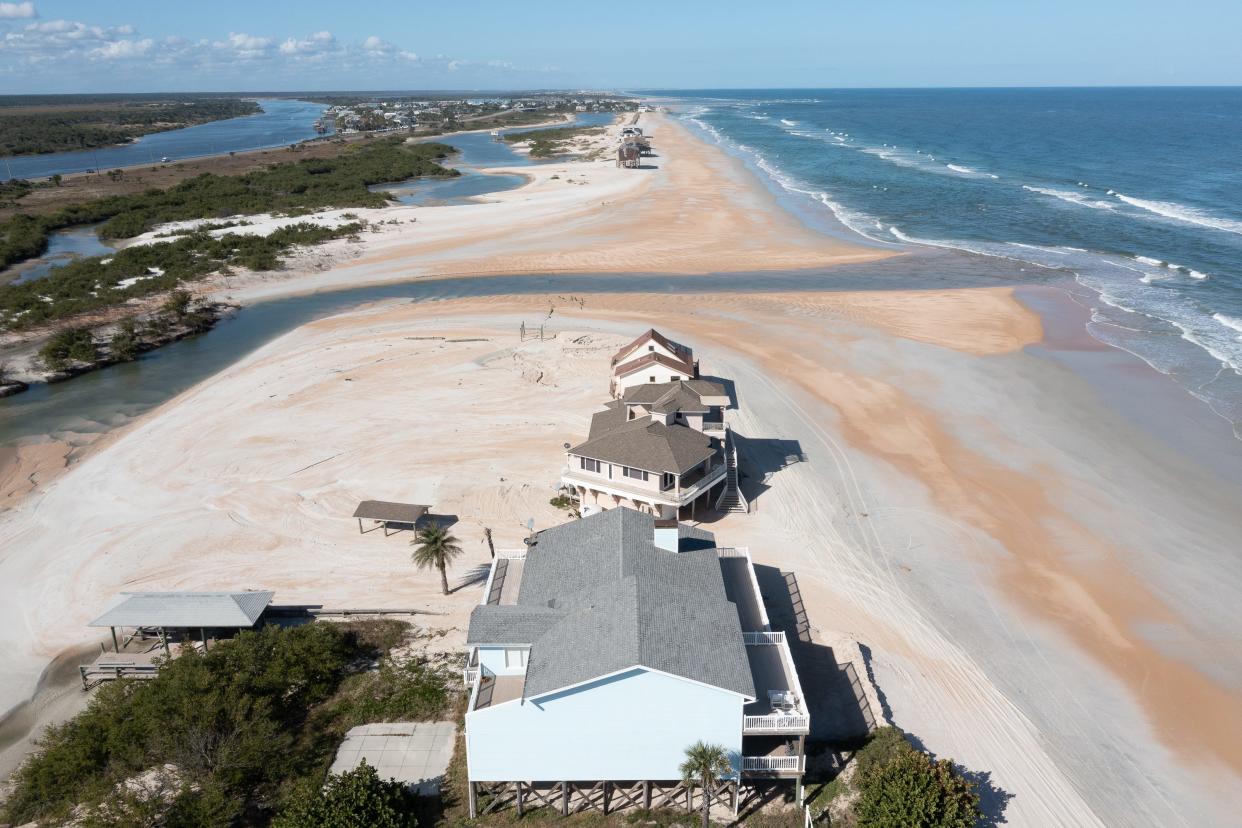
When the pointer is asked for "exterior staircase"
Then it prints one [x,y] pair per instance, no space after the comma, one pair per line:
[731,498]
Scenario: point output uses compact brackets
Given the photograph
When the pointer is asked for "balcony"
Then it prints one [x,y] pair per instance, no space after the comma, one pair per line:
[488,689]
[773,765]
[780,707]
[696,483]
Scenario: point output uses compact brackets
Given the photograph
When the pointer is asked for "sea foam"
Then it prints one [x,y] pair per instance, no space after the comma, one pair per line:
[1180,212]
[1070,197]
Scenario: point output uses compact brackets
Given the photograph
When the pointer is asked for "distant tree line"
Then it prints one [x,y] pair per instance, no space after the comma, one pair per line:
[292,187]
[66,128]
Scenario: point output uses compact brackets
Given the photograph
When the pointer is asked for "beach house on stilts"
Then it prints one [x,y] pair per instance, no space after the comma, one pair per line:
[609,646]
[662,445]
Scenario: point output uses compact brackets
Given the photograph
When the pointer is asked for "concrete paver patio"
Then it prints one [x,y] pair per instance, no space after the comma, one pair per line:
[416,753]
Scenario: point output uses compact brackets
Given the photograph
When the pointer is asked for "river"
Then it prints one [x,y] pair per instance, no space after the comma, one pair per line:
[281,122]
[104,399]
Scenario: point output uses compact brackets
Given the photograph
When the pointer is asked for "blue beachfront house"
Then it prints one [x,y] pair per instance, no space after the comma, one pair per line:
[607,648]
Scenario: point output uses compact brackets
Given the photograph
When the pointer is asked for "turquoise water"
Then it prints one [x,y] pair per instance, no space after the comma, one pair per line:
[281,122]
[1134,193]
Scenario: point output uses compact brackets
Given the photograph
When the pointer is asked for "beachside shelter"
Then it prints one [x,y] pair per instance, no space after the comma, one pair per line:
[387,513]
[201,611]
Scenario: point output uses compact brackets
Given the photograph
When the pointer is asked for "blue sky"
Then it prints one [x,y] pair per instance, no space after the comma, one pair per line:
[260,45]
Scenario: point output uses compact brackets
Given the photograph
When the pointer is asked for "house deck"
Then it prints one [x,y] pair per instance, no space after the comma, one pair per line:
[494,690]
[771,666]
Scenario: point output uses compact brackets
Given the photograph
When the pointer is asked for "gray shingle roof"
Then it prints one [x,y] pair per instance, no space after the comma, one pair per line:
[646,444]
[610,600]
[510,623]
[186,609]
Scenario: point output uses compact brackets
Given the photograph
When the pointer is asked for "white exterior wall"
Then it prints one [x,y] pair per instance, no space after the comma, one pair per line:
[493,658]
[633,726]
[648,347]
[643,375]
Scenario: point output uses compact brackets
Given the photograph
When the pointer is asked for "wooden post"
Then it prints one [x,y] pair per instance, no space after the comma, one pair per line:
[82,670]
[164,641]
[359,526]
[520,809]
[564,799]
[647,795]
[116,648]
[690,796]
[474,800]
[605,781]
[203,632]
[522,333]
[737,795]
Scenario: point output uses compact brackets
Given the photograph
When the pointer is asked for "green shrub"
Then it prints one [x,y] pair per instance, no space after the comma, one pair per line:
[67,347]
[356,799]
[911,790]
[123,347]
[234,722]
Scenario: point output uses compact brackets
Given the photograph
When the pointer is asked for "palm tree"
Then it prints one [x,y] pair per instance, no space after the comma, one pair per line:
[705,765]
[435,547]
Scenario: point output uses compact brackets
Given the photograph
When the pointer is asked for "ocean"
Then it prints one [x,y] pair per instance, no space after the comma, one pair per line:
[1134,194]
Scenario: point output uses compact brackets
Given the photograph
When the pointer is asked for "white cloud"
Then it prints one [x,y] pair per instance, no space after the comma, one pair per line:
[245,46]
[123,49]
[376,44]
[71,55]
[318,43]
[17,11]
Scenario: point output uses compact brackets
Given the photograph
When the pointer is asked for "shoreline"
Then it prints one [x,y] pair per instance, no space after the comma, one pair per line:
[973,506]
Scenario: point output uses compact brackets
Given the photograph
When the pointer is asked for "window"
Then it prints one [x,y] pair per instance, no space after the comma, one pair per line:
[637,474]
[650,347]
[676,377]
[590,465]
[669,480]
[516,658]
[650,379]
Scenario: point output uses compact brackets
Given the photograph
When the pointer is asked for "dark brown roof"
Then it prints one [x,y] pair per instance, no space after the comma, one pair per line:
[389,511]
[614,414]
[649,445]
[686,366]
[653,335]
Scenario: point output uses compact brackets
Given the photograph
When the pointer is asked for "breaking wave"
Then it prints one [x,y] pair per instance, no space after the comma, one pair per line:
[1180,212]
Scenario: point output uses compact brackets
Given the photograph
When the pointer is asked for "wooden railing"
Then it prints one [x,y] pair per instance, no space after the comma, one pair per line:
[777,723]
[772,763]
[511,554]
[93,674]
[756,638]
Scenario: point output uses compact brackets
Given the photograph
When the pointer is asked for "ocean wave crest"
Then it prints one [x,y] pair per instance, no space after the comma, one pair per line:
[1182,213]
[1071,197]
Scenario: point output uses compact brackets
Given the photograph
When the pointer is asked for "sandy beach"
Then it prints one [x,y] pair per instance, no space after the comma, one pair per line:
[1046,589]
